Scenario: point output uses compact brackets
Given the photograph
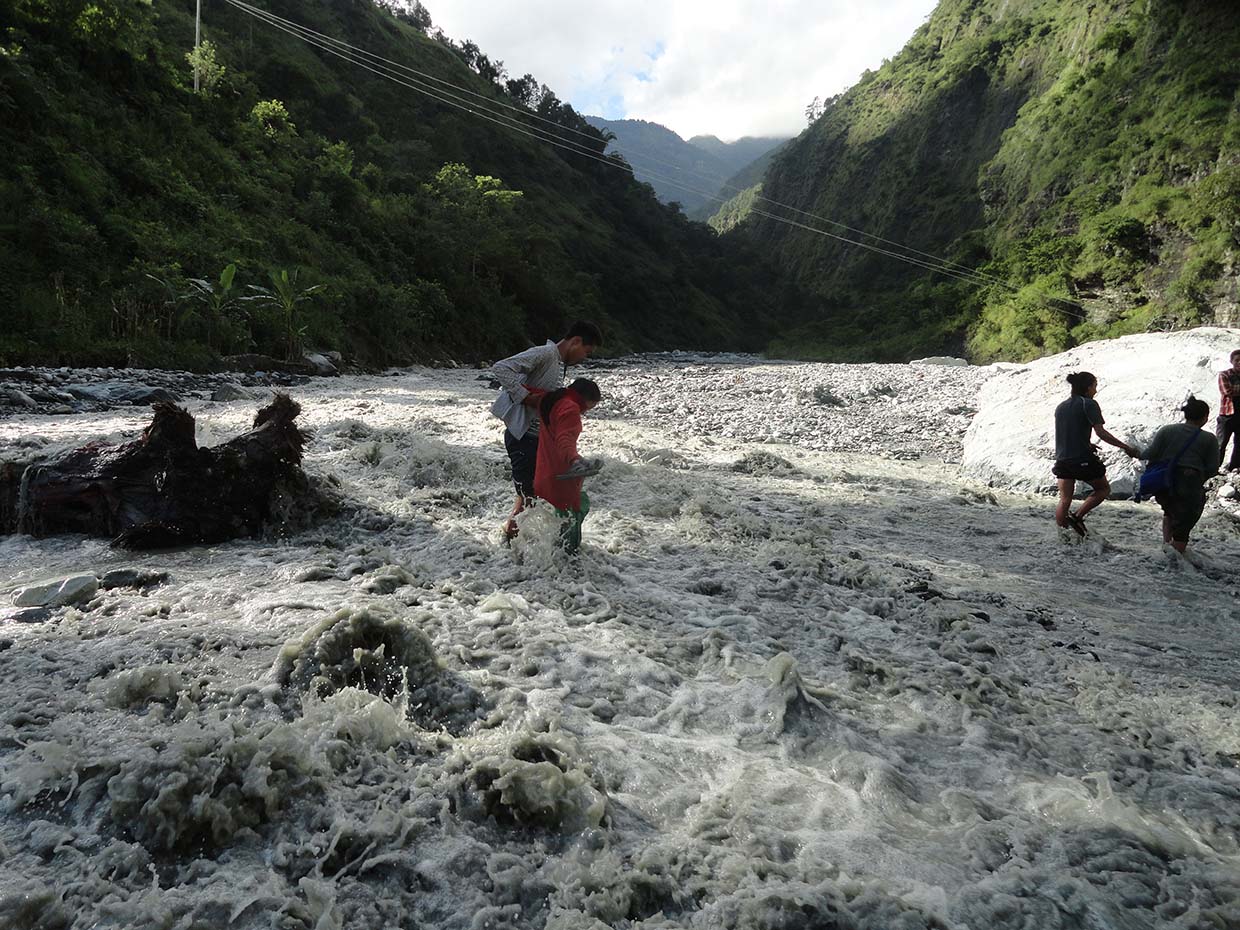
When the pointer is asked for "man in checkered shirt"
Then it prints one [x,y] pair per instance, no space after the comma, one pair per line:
[1228,425]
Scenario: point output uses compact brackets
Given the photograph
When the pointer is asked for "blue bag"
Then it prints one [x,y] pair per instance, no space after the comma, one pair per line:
[1159,475]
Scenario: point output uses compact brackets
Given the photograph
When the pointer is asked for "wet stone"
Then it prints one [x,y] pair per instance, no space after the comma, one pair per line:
[30,615]
[131,578]
[58,592]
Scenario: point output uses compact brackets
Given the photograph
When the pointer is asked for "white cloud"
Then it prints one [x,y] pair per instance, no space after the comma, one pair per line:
[727,67]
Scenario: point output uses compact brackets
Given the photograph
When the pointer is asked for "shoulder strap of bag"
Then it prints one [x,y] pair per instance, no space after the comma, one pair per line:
[1191,439]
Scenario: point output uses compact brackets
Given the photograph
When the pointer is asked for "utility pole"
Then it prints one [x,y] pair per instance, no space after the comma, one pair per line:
[197,38]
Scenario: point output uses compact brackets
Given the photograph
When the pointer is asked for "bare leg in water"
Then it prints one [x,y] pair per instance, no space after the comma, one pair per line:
[1100,490]
[1175,544]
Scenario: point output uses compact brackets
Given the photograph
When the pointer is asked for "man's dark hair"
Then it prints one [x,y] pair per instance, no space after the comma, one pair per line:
[1234,353]
[1195,409]
[590,334]
[1080,381]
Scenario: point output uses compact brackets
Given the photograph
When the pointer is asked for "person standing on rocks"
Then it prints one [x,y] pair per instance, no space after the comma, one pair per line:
[1228,425]
[1076,458]
[561,468]
[1195,454]
[524,379]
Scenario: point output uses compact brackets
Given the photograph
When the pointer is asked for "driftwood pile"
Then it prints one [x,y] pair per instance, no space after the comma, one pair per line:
[160,490]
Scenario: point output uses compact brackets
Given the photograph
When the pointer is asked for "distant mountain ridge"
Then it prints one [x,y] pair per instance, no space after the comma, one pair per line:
[703,165]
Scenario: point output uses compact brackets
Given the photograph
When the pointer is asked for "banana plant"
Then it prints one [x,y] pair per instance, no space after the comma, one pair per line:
[285,297]
[219,299]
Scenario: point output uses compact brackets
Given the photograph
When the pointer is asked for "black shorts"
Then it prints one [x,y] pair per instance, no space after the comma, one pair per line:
[1090,468]
[523,454]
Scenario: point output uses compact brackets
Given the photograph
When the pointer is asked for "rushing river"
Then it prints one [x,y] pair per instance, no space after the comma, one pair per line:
[803,675]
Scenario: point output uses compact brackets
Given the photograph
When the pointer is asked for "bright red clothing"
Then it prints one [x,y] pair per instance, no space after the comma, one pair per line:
[557,450]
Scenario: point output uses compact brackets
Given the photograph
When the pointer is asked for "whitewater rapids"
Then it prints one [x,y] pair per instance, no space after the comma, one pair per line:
[804,675]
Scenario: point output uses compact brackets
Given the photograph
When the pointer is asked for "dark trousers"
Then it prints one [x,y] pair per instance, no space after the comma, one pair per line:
[1228,428]
[523,454]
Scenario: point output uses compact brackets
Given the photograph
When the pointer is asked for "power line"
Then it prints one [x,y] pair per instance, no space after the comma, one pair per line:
[333,46]
[489,102]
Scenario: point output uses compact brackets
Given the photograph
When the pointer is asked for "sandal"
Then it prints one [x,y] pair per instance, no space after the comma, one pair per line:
[1078,524]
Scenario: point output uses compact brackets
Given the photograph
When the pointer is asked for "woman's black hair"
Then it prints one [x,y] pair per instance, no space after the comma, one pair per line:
[1080,381]
[584,386]
[1195,409]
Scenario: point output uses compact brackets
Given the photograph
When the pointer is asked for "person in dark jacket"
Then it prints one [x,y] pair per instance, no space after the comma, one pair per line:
[1199,461]
[1075,456]
[561,412]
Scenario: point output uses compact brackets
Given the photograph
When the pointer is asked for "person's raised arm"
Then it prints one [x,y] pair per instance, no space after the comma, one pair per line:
[1106,436]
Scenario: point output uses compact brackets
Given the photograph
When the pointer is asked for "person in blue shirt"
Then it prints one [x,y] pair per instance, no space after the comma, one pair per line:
[1076,458]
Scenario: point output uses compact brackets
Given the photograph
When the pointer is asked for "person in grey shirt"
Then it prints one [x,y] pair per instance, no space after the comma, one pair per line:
[524,378]
[1198,449]
[1075,457]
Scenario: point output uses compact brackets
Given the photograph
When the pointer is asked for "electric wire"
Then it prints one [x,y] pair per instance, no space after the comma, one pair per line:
[489,102]
[351,53]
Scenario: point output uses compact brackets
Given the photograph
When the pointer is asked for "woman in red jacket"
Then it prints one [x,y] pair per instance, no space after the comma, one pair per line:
[557,452]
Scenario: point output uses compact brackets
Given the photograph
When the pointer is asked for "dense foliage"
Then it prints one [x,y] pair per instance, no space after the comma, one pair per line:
[1086,155]
[353,212]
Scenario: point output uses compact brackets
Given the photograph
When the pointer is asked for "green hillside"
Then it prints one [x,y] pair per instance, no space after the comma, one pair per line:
[1086,154]
[741,189]
[412,229]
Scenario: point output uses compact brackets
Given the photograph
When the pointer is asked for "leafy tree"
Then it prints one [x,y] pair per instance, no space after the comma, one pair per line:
[523,90]
[272,118]
[210,72]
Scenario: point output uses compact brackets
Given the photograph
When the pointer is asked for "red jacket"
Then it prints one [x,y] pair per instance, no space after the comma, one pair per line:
[557,449]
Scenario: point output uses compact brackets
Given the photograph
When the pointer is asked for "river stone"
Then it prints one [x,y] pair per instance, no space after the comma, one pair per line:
[30,615]
[230,390]
[16,398]
[111,393]
[320,364]
[941,360]
[58,592]
[131,578]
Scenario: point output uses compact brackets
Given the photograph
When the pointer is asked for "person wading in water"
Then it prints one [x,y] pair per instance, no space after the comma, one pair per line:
[524,379]
[1194,454]
[1076,458]
[559,460]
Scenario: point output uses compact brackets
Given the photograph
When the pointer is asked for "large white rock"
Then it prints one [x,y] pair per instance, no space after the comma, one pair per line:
[57,593]
[1142,381]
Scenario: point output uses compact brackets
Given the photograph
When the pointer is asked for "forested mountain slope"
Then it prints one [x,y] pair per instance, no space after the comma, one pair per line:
[741,190]
[1087,155]
[120,185]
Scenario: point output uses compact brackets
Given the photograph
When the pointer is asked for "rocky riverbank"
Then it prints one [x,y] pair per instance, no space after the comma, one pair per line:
[85,390]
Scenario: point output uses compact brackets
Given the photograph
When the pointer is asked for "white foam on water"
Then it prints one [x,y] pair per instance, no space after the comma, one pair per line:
[802,673]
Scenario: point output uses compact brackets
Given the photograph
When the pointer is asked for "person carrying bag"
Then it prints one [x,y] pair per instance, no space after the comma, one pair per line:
[1178,483]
